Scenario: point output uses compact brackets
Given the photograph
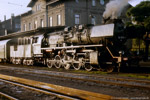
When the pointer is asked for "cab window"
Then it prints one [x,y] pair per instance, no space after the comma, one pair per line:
[35,39]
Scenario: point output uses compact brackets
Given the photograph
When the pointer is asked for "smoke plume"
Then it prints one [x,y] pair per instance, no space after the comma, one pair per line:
[114,8]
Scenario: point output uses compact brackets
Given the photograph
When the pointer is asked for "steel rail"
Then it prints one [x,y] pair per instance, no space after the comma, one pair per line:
[118,81]
[39,90]
[8,96]
[74,93]
[83,77]
[107,80]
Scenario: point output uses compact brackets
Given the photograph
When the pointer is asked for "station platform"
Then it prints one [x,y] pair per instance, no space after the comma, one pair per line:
[144,63]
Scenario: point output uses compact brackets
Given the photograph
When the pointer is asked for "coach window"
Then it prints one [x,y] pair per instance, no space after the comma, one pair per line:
[19,41]
[15,47]
[35,39]
[26,41]
[23,41]
[29,41]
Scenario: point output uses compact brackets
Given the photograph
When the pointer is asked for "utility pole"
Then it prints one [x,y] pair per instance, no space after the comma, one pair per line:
[87,9]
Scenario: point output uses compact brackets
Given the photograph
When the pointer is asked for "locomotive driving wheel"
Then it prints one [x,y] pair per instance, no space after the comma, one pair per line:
[88,67]
[57,61]
[110,68]
[49,63]
[77,63]
[107,68]
[77,66]
[67,66]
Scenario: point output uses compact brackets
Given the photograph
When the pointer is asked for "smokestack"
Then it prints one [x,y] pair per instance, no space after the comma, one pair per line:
[4,17]
[114,9]
[12,21]
[12,15]
[6,32]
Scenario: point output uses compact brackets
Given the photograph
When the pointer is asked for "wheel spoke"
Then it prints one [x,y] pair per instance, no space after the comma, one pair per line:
[67,66]
[57,61]
[49,64]
[110,68]
[88,67]
[77,66]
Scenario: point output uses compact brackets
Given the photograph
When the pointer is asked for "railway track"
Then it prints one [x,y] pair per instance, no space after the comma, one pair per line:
[133,83]
[4,96]
[50,89]
[90,78]
[33,89]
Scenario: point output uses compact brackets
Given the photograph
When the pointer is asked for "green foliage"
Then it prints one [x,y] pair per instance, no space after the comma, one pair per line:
[141,14]
[147,23]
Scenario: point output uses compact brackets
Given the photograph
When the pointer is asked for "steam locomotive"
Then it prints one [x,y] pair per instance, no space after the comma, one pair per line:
[83,46]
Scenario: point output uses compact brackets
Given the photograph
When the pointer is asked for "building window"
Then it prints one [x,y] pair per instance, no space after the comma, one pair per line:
[77,19]
[30,26]
[59,19]
[17,26]
[102,2]
[93,2]
[77,1]
[50,21]
[35,24]
[3,26]
[37,7]
[93,20]
[42,23]
[24,27]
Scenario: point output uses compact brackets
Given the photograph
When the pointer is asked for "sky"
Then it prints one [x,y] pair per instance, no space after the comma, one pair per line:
[7,7]
[135,2]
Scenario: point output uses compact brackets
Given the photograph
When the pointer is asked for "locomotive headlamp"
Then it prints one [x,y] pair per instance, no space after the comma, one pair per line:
[80,27]
[67,29]
[120,52]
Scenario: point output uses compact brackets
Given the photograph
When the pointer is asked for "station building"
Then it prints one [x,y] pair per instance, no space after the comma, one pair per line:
[50,13]
[10,25]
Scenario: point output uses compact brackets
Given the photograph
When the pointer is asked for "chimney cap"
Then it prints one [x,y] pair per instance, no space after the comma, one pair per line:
[12,15]
[4,17]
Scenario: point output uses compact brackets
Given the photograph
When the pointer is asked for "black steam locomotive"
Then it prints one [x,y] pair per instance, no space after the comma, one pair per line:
[86,46]
[82,46]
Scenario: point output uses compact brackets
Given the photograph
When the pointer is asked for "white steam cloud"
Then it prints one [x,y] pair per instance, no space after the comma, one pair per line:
[114,8]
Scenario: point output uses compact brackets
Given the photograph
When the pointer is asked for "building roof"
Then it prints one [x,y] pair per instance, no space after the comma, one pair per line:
[38,31]
[26,13]
[52,1]
[31,3]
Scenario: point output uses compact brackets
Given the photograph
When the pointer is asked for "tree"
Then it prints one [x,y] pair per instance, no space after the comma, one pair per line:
[140,15]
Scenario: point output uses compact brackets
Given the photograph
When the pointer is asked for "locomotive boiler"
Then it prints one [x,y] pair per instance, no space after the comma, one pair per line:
[85,46]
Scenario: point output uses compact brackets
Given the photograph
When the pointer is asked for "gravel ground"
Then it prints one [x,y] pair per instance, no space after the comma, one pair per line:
[116,91]
[23,93]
